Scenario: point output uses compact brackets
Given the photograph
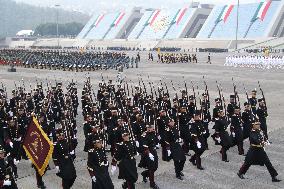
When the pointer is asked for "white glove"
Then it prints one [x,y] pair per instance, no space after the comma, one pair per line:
[113,169]
[10,113]
[11,144]
[72,152]
[218,139]
[159,137]
[137,144]
[151,157]
[19,139]
[169,152]
[57,169]
[94,179]
[204,132]
[7,183]
[233,134]
[198,144]
[16,162]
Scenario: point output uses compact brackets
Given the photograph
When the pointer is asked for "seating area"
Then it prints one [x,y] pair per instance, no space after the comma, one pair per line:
[176,29]
[158,25]
[222,24]
[103,27]
[88,27]
[121,21]
[138,29]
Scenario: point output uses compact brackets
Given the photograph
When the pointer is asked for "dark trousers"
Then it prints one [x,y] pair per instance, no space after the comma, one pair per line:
[268,165]
[130,185]
[241,148]
[224,153]
[179,167]
[196,159]
[185,146]
[150,174]
[39,180]
[67,183]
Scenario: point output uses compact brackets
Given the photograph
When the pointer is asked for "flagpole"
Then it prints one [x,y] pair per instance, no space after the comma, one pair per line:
[237,28]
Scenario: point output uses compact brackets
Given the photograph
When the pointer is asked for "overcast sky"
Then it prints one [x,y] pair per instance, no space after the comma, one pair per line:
[90,6]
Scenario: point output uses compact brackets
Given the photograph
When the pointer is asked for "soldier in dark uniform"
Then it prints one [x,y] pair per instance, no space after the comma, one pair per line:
[197,132]
[256,154]
[253,101]
[138,128]
[261,112]
[149,156]
[13,141]
[231,106]
[88,129]
[6,177]
[183,121]
[216,109]
[125,154]
[63,160]
[98,166]
[162,124]
[221,136]
[206,118]
[237,130]
[247,119]
[174,149]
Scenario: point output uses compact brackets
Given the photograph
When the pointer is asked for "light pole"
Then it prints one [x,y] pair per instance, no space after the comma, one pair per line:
[57,15]
[237,28]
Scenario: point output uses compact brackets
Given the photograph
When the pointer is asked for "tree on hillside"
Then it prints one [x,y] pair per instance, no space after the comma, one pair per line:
[68,29]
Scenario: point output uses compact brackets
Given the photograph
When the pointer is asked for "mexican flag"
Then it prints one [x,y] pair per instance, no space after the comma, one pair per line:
[179,15]
[118,18]
[261,11]
[99,19]
[225,13]
[153,17]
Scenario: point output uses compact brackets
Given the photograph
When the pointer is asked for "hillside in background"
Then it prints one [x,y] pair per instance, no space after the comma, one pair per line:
[19,16]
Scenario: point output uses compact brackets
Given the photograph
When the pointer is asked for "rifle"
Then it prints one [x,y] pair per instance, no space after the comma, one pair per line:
[237,98]
[194,94]
[262,93]
[186,91]
[206,89]
[220,95]
[174,89]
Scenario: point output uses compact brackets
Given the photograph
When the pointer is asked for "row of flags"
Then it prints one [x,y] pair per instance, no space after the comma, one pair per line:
[158,21]
[259,13]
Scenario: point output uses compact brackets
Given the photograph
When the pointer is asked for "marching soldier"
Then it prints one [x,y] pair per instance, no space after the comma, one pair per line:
[198,145]
[237,130]
[125,154]
[247,119]
[63,160]
[174,149]
[221,136]
[262,114]
[98,166]
[6,177]
[253,101]
[256,154]
[149,156]
[183,120]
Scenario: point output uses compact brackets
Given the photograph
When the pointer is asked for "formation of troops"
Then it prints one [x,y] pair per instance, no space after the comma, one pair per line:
[255,61]
[123,121]
[170,58]
[67,60]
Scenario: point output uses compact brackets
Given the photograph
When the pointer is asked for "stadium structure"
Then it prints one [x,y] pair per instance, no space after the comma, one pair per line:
[195,26]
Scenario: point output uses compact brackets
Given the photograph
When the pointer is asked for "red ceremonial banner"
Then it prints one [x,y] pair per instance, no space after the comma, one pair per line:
[38,146]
